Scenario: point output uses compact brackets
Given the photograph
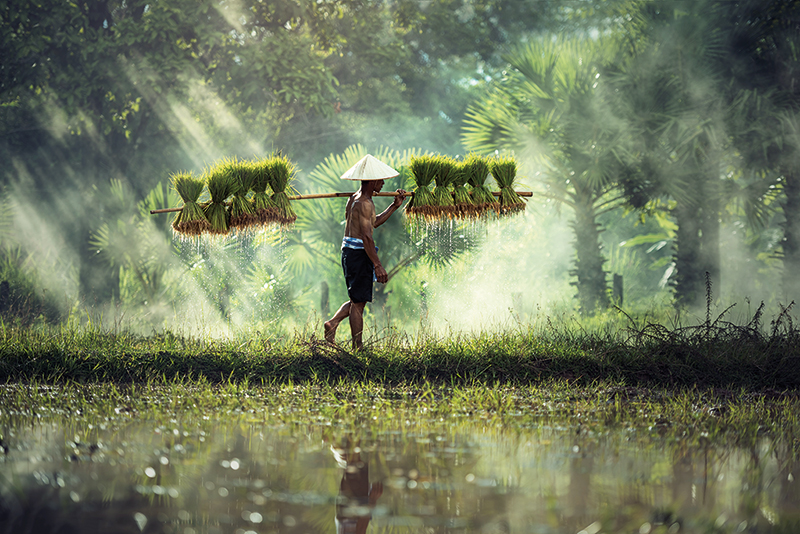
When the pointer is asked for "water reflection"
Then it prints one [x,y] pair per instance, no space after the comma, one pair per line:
[357,496]
[237,476]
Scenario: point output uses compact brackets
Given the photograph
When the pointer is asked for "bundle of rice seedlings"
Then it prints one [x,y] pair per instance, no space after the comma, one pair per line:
[281,172]
[504,170]
[422,204]
[242,215]
[461,197]
[220,186]
[477,169]
[443,194]
[190,221]
[264,208]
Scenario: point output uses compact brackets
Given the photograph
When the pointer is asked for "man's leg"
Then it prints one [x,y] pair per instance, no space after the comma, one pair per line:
[333,324]
[357,323]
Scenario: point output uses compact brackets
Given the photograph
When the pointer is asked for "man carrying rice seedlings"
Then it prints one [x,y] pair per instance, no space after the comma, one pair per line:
[360,261]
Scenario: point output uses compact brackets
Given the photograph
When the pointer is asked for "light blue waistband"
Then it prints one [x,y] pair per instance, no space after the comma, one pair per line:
[354,243]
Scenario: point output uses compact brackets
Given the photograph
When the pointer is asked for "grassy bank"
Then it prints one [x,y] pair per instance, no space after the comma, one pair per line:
[712,354]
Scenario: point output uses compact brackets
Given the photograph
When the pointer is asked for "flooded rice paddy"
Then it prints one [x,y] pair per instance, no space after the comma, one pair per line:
[297,461]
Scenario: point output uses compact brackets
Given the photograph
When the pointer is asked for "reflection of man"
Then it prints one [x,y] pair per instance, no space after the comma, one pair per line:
[357,497]
[360,260]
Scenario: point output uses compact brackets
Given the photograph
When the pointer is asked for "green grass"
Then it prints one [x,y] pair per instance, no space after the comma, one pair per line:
[714,354]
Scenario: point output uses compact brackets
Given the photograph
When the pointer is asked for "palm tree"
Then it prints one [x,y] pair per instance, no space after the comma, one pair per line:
[135,244]
[668,85]
[766,121]
[549,110]
[699,80]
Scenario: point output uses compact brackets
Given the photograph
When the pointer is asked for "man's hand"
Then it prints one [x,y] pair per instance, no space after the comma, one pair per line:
[381,274]
[398,200]
[396,203]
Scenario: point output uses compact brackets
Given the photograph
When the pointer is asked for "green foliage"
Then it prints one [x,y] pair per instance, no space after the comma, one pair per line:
[110,88]
[549,111]
[130,242]
[674,104]
[118,59]
[127,88]
[22,303]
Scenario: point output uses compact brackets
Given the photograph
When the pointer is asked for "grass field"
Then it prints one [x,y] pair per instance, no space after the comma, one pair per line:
[716,354]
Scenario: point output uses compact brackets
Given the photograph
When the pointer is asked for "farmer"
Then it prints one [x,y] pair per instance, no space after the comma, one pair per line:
[360,260]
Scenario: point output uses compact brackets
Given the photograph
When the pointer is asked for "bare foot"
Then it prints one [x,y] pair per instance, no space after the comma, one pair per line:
[330,331]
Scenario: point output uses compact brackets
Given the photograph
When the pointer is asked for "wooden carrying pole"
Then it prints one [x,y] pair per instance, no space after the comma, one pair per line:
[341,195]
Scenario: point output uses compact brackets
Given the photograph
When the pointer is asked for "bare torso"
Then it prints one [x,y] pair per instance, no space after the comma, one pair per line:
[359,217]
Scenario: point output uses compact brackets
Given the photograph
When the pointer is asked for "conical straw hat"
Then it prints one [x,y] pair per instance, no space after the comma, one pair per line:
[369,168]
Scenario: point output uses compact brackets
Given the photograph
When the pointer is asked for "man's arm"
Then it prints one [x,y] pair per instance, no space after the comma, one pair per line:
[365,212]
[396,203]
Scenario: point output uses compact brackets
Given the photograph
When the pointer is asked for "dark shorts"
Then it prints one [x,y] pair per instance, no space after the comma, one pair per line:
[358,274]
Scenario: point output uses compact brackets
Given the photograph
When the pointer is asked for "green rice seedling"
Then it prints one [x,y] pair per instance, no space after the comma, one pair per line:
[504,170]
[443,194]
[477,169]
[264,208]
[422,204]
[461,197]
[242,215]
[282,172]
[220,185]
[190,221]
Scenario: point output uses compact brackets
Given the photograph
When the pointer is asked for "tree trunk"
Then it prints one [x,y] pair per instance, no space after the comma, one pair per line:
[697,216]
[324,299]
[689,277]
[791,237]
[591,278]
[710,228]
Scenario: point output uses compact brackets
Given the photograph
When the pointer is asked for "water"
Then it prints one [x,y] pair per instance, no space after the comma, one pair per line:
[231,473]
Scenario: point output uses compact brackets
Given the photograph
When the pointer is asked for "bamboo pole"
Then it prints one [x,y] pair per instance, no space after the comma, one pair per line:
[340,195]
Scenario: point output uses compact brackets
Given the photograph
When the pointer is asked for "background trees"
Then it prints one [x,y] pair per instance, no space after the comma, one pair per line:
[765,93]
[131,91]
[693,89]
[550,112]
[668,86]
[693,118]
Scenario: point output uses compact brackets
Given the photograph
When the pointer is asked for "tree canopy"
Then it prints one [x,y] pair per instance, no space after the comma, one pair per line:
[687,108]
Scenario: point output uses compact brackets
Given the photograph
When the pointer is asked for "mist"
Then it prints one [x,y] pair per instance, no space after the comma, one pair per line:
[85,161]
